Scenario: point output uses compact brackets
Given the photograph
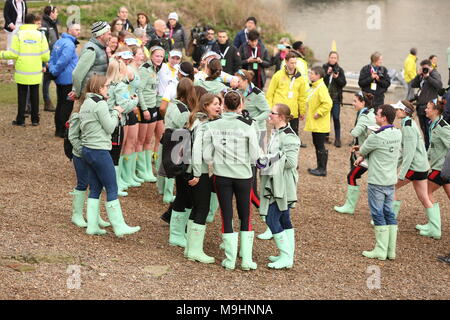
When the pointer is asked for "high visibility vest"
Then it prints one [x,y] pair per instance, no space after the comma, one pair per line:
[29,48]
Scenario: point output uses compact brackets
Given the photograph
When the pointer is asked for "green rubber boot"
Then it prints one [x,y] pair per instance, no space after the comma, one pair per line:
[266,235]
[425,227]
[92,215]
[213,206]
[79,197]
[127,175]
[134,159]
[286,258]
[434,229]
[168,190]
[141,167]
[120,191]
[160,180]
[247,238]
[195,244]
[188,232]
[178,222]
[392,244]
[396,207]
[381,247]
[102,223]
[290,233]
[148,162]
[121,170]
[230,242]
[351,201]
[115,215]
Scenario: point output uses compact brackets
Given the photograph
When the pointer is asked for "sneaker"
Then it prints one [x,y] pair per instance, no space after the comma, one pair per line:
[15,123]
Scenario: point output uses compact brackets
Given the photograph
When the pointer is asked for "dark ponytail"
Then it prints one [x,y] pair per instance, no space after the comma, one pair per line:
[215,69]
[232,100]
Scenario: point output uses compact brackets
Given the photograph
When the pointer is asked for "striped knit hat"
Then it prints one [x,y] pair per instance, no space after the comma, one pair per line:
[99,28]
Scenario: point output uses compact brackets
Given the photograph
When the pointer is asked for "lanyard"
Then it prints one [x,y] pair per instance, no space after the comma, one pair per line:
[224,53]
[311,92]
[255,54]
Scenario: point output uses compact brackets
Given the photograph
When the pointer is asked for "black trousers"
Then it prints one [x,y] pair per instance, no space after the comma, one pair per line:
[319,140]
[294,125]
[201,196]
[240,188]
[425,126]
[183,199]
[22,91]
[64,108]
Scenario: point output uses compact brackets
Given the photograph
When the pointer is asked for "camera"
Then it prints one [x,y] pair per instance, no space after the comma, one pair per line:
[335,69]
[199,33]
[425,70]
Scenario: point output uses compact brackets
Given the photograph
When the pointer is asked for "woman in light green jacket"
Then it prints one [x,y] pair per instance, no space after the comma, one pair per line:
[213,83]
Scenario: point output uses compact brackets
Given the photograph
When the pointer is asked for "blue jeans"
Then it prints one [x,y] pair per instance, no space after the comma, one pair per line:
[277,220]
[335,112]
[81,171]
[101,173]
[380,204]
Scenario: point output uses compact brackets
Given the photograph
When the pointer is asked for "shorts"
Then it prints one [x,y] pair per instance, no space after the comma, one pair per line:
[153,116]
[159,117]
[416,176]
[435,176]
[131,118]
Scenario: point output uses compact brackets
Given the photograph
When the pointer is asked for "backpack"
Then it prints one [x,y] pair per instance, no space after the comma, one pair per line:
[67,145]
[176,151]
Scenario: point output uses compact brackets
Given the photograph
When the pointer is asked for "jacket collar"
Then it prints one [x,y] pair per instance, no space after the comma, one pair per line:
[230,115]
[28,27]
[90,95]
[69,36]
[98,43]
[317,83]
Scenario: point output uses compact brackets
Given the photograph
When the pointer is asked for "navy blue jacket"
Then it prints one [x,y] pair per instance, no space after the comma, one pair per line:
[64,59]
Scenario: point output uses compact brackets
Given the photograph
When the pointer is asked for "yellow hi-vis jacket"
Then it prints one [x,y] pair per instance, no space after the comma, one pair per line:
[318,101]
[30,48]
[409,68]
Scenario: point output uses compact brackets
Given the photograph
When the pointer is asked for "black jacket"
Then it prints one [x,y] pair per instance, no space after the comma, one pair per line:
[245,53]
[200,50]
[429,89]
[155,40]
[365,81]
[446,114]
[50,29]
[337,85]
[127,26]
[10,13]
[233,60]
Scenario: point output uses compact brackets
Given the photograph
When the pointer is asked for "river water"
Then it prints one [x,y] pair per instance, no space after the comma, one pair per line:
[362,27]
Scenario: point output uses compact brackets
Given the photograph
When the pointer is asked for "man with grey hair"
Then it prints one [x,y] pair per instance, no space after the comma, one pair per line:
[93,59]
[63,61]
[122,14]
[159,36]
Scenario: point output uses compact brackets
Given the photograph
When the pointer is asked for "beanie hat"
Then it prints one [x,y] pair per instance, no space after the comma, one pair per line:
[173,15]
[100,28]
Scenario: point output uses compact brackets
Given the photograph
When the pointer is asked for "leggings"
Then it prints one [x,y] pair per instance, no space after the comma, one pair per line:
[183,199]
[354,174]
[254,192]
[225,188]
[201,196]
[277,220]
[81,172]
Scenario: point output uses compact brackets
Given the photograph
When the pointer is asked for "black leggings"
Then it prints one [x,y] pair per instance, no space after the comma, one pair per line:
[319,140]
[183,199]
[201,196]
[354,174]
[225,188]
[254,194]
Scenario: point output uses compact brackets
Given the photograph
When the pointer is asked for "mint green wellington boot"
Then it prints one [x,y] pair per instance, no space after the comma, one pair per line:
[351,201]
[434,229]
[247,238]
[128,171]
[266,235]
[188,232]
[381,247]
[230,242]
[79,197]
[178,222]
[121,174]
[102,223]
[115,216]
[396,207]
[92,215]
[392,244]
[160,181]
[137,162]
[213,206]
[141,167]
[168,190]
[290,233]
[148,162]
[195,241]
[120,191]
[426,226]
[286,258]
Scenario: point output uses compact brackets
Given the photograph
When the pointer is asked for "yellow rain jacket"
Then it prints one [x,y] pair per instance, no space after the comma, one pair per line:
[318,101]
[30,48]
[409,68]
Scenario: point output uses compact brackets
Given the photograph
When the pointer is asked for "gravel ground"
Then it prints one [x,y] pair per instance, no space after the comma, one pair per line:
[38,242]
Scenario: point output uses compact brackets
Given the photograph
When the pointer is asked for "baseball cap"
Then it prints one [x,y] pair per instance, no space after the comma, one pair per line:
[175,53]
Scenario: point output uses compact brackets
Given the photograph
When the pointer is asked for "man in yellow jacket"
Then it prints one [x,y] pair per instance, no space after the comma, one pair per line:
[319,106]
[410,71]
[30,48]
[287,87]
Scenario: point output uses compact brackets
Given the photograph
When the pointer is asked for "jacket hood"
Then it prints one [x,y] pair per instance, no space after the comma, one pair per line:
[68,36]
